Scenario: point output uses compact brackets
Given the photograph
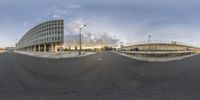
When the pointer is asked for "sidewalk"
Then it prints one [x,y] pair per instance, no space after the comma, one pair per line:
[57,55]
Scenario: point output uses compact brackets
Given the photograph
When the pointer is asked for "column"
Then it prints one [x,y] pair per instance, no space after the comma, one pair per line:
[52,48]
[60,47]
[31,49]
[34,48]
[45,48]
[39,48]
[55,48]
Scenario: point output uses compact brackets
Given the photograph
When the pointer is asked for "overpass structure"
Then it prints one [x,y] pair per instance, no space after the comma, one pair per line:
[159,48]
[45,37]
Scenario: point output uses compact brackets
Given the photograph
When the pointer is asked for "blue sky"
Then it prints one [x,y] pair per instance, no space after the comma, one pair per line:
[128,20]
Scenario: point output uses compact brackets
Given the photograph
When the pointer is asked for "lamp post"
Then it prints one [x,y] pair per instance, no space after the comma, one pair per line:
[149,37]
[16,44]
[80,39]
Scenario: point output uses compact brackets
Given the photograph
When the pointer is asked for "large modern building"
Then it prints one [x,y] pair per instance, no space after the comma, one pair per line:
[45,37]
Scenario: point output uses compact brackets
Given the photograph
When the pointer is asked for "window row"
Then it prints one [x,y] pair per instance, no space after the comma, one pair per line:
[47,24]
[55,39]
[43,34]
[45,29]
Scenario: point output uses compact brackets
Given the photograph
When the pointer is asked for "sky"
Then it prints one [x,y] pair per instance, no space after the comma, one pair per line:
[114,21]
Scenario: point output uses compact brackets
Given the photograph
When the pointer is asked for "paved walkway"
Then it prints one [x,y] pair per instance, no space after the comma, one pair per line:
[68,54]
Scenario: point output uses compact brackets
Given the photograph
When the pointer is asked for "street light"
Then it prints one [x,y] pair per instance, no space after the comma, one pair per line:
[80,39]
[149,37]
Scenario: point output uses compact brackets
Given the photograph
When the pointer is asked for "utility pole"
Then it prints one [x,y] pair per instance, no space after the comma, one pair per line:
[80,48]
[149,37]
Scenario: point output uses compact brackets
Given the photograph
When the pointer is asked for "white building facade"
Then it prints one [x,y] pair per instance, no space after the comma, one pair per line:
[45,37]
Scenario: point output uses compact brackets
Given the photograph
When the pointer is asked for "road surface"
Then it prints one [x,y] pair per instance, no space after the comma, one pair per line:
[102,76]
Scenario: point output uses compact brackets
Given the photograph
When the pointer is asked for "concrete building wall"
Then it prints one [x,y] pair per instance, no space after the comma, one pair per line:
[45,37]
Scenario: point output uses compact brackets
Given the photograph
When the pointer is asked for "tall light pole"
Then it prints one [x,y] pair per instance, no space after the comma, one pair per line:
[80,39]
[16,42]
[149,37]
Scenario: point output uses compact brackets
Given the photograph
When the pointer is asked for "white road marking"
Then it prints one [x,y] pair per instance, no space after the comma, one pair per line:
[99,59]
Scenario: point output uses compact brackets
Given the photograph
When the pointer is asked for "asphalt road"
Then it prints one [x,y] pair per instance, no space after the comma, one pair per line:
[103,76]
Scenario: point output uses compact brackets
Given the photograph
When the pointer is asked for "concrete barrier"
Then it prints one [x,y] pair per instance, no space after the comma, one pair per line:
[158,53]
[155,59]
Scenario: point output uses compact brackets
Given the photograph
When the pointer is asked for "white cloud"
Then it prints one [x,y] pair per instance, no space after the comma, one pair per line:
[73,6]
[39,19]
[75,25]
[92,39]
[70,6]
[56,16]
[61,10]
[25,24]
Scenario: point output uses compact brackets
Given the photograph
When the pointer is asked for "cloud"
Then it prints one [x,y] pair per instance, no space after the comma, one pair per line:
[75,25]
[73,6]
[39,19]
[61,10]
[56,12]
[25,24]
[92,39]
[56,16]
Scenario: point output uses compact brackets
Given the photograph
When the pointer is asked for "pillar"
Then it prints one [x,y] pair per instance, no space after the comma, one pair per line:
[55,48]
[52,48]
[60,47]
[31,49]
[34,48]
[39,48]
[45,48]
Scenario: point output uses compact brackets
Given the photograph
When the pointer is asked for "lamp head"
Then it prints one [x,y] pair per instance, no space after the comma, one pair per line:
[83,26]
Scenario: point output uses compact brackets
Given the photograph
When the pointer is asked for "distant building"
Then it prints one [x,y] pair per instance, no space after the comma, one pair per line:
[2,50]
[45,37]
[10,49]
